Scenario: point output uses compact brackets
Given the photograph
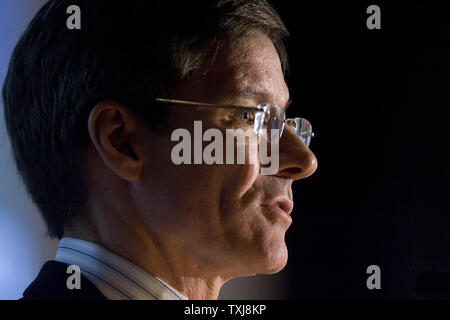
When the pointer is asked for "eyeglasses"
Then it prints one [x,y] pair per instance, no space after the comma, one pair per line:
[264,117]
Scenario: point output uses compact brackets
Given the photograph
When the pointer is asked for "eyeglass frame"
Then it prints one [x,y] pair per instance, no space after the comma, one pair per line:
[304,136]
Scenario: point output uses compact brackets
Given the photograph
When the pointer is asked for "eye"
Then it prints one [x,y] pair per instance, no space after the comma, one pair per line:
[242,117]
[245,116]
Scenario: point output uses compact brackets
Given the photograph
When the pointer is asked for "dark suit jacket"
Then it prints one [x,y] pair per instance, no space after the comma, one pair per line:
[50,284]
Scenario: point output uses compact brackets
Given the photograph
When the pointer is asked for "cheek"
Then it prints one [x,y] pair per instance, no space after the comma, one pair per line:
[238,192]
[242,177]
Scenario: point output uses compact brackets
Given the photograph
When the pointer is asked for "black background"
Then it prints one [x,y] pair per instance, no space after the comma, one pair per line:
[377,100]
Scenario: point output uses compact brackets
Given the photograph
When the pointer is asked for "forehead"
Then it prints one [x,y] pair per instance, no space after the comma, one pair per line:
[248,71]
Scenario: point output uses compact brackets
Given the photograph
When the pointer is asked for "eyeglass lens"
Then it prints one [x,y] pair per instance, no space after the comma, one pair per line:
[275,118]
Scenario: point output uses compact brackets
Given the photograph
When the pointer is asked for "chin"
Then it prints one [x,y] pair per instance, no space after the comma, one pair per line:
[277,263]
[270,262]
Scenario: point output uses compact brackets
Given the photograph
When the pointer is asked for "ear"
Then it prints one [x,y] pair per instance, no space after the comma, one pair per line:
[114,132]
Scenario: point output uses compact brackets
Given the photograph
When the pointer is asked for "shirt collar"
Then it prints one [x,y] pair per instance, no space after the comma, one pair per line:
[116,277]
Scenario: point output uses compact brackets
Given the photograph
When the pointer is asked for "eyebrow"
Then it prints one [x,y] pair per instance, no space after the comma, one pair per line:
[248,91]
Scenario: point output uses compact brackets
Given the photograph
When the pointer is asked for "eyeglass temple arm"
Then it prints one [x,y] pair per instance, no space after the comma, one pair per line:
[210,105]
[222,106]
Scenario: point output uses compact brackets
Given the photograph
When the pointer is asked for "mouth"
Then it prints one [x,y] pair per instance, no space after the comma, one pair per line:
[282,203]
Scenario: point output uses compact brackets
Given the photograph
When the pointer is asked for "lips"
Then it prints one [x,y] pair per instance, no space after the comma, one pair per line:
[280,202]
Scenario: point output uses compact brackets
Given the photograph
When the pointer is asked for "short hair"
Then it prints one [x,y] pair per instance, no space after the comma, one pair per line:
[127,51]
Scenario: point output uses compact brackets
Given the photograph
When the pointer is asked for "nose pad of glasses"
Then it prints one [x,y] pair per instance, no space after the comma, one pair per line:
[275,119]
[271,118]
[281,129]
[259,122]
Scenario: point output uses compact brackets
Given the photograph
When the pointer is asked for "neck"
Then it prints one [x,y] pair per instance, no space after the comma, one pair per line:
[160,257]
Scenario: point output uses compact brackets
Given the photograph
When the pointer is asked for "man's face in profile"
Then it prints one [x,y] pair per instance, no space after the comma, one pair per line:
[224,218]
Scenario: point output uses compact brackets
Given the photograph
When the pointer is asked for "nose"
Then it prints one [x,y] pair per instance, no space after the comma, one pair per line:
[297,161]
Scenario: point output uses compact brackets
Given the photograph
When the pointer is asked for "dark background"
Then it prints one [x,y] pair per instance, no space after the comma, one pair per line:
[377,100]
[378,103]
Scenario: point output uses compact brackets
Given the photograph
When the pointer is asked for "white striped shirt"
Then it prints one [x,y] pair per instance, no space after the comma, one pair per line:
[116,277]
